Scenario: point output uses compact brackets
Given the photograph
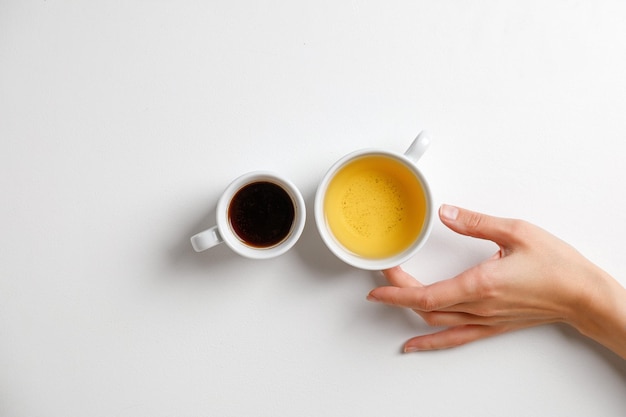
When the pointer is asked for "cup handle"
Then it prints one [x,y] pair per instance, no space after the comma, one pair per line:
[206,239]
[419,146]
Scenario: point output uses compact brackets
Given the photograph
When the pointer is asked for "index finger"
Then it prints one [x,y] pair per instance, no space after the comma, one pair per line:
[438,296]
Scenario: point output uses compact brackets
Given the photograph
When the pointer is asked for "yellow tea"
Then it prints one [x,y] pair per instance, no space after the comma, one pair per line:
[375,206]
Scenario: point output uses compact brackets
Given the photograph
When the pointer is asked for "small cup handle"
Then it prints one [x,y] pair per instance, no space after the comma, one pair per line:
[419,146]
[206,239]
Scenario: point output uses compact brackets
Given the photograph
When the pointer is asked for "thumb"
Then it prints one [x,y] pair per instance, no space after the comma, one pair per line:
[471,223]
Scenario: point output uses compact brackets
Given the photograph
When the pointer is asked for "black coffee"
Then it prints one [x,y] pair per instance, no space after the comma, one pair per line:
[261,214]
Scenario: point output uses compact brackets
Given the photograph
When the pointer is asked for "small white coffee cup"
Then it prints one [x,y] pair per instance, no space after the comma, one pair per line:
[260,215]
[373,208]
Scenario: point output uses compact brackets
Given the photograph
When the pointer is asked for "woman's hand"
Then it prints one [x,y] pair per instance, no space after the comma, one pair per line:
[534,278]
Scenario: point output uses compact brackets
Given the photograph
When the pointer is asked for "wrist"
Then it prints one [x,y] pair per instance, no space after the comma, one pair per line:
[600,313]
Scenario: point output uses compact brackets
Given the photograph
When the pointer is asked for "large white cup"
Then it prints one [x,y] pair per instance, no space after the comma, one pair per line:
[264,211]
[355,240]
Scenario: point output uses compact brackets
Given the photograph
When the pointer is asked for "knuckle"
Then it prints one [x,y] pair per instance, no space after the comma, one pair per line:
[484,283]
[518,230]
[517,227]
[428,301]
[393,296]
[393,300]
[473,221]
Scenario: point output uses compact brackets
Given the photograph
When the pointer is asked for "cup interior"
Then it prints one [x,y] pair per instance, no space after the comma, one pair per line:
[242,243]
[341,249]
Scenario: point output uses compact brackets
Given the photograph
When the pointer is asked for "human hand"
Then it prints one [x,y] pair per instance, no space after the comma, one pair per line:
[534,278]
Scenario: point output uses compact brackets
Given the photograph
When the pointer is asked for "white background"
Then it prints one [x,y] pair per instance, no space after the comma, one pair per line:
[122,121]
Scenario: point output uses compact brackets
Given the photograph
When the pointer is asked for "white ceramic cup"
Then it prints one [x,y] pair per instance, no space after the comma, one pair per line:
[224,232]
[408,160]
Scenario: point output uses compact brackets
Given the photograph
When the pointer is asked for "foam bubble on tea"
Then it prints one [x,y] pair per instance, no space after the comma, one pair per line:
[375,207]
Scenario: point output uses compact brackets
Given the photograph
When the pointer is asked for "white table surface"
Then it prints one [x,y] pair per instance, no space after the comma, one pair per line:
[122,121]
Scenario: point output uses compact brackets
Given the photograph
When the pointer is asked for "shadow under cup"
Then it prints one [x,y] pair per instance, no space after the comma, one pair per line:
[373,209]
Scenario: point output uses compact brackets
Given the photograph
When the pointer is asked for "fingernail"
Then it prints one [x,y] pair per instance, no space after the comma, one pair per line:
[410,349]
[449,212]
[370,297]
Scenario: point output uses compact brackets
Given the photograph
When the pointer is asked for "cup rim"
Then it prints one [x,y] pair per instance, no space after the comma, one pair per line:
[229,236]
[342,253]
